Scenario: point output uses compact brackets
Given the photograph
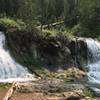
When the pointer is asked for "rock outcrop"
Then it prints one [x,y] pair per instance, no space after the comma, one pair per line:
[32,48]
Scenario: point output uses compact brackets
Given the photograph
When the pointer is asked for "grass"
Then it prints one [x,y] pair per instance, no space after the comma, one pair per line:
[4,86]
[8,23]
[88,93]
[54,32]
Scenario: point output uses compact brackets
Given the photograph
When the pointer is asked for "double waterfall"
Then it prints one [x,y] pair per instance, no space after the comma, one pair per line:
[10,70]
[93,65]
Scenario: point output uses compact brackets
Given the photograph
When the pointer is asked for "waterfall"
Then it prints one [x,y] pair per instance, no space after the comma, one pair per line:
[10,70]
[93,66]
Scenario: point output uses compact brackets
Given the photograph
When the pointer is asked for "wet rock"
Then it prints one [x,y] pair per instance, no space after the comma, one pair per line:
[31,48]
[78,48]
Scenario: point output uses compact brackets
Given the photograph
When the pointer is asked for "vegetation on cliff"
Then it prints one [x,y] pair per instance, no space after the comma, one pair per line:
[82,17]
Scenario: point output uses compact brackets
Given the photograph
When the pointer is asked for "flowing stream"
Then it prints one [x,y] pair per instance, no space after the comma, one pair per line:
[10,70]
[94,64]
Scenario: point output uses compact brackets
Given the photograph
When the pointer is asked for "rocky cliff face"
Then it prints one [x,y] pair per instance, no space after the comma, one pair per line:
[53,52]
[78,48]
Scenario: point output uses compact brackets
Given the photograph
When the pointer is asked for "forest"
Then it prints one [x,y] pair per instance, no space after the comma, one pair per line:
[49,49]
[80,17]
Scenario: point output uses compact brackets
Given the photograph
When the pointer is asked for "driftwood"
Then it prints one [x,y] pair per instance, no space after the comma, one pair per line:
[51,25]
[10,91]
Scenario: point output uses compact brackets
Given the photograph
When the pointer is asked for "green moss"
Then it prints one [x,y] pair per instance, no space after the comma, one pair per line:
[54,32]
[88,93]
[4,86]
[8,23]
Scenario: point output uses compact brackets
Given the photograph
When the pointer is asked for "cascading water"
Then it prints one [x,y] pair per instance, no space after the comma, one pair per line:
[10,70]
[94,64]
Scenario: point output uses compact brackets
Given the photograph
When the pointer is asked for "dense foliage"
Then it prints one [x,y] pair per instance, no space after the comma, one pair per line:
[81,15]
[10,23]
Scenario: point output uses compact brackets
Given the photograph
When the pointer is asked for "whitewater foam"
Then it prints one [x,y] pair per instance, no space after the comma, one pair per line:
[93,63]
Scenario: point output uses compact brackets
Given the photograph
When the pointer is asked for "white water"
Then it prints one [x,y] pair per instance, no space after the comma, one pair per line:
[94,63]
[9,69]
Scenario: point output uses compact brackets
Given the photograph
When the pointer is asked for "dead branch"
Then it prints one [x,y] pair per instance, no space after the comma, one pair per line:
[10,91]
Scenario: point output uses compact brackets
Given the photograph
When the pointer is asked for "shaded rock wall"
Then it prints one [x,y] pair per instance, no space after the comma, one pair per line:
[33,49]
[78,48]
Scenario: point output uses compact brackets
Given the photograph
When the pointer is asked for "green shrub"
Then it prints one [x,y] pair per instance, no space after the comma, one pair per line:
[8,23]
[79,30]
[22,25]
[54,32]
[88,93]
[68,33]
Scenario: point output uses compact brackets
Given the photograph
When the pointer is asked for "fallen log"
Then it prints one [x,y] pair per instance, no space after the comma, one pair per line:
[10,91]
[51,25]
